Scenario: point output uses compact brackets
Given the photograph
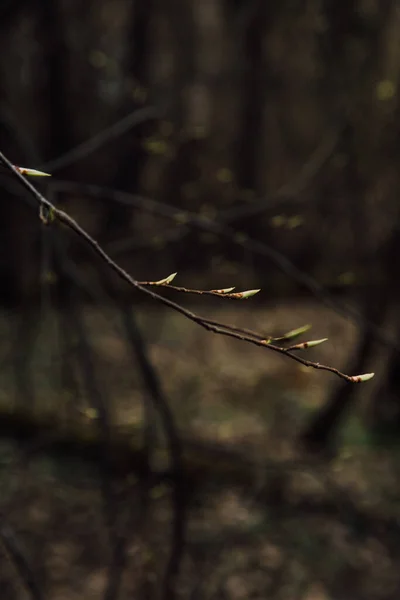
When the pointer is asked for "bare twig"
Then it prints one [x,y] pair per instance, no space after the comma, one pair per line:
[221,293]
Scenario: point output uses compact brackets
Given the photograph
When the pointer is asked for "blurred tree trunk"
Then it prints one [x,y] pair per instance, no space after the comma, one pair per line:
[372,181]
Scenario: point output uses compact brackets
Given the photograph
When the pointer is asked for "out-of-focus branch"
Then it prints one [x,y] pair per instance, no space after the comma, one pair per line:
[291,190]
[97,141]
[21,563]
[188,220]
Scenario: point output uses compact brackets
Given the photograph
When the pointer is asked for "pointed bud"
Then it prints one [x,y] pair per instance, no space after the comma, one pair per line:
[247,294]
[32,172]
[296,332]
[306,345]
[223,291]
[362,378]
[167,280]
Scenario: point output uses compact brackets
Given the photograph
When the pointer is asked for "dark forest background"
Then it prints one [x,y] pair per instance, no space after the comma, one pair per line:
[239,143]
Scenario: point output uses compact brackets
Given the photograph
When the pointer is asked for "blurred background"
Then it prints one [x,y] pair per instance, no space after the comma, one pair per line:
[238,143]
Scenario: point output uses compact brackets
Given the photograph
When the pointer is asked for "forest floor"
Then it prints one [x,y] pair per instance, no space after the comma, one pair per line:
[299,529]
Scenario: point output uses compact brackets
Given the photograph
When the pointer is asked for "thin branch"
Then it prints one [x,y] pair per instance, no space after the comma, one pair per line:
[48,212]
[221,293]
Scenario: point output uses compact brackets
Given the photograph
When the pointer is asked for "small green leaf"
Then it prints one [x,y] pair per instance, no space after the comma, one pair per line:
[296,332]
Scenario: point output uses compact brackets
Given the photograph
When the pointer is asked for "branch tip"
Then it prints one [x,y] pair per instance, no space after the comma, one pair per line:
[362,378]
[167,280]
[306,345]
[247,294]
[31,172]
